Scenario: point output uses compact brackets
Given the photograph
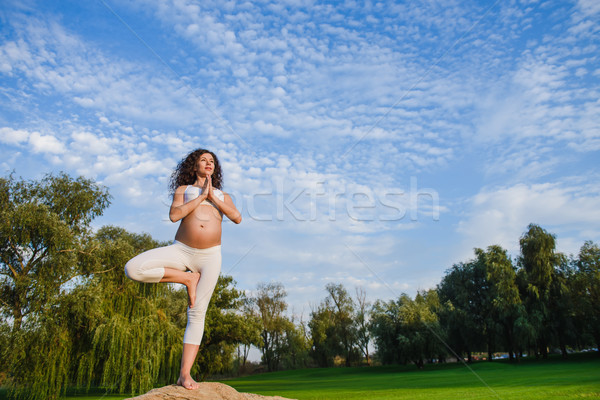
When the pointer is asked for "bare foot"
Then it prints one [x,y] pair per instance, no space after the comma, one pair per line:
[191,287]
[187,382]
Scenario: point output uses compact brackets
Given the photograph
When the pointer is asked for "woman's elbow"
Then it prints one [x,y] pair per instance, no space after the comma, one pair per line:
[237,219]
[174,216]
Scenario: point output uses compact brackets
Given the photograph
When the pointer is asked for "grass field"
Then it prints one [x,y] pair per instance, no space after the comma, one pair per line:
[577,378]
[552,379]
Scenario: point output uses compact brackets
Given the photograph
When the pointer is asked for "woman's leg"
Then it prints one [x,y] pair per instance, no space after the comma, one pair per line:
[208,263]
[190,280]
[187,361]
[163,264]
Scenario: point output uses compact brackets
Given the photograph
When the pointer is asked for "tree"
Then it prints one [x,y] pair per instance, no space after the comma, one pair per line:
[295,346]
[420,337]
[506,305]
[44,231]
[44,245]
[586,287]
[344,329]
[333,329]
[252,336]
[324,344]
[128,333]
[464,292]
[538,260]
[385,330]
[407,330]
[361,318]
[270,305]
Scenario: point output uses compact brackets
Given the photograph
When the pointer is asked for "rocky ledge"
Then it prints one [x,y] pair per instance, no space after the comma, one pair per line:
[206,391]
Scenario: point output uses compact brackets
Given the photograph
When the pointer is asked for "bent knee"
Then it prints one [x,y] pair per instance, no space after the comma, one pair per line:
[133,270]
[197,314]
[130,270]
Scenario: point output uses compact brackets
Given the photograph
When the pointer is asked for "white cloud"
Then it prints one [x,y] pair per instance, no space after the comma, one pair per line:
[53,58]
[501,215]
[87,142]
[13,136]
[400,90]
[45,144]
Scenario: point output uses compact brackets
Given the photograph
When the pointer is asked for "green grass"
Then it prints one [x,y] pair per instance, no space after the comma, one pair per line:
[574,379]
[577,378]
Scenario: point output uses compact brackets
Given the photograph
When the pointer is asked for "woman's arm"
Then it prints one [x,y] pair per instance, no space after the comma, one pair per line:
[227,207]
[179,209]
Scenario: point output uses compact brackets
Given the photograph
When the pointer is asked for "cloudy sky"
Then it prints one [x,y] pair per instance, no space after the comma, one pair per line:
[373,144]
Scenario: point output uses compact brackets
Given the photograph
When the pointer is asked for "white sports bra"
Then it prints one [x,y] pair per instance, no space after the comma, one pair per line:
[191,192]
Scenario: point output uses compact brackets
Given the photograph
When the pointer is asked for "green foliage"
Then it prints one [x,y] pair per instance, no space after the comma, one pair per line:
[40,359]
[420,336]
[385,329]
[333,328]
[408,330]
[69,315]
[362,323]
[132,331]
[251,324]
[585,285]
[295,347]
[269,306]
[538,261]
[44,245]
[464,292]
[43,239]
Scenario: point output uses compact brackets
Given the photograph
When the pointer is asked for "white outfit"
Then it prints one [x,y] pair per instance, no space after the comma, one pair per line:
[150,266]
[191,192]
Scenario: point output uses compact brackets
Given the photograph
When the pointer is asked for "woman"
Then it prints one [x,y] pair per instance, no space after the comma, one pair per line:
[194,258]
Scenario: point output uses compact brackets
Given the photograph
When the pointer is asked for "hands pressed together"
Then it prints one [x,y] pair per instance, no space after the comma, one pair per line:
[207,190]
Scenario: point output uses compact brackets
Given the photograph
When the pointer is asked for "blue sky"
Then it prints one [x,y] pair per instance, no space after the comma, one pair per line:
[372,144]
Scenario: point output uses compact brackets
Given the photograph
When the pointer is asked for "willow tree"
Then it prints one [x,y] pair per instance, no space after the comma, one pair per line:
[129,333]
[465,294]
[44,245]
[537,260]
[407,330]
[270,305]
[385,330]
[421,336]
[506,306]
[587,292]
[344,326]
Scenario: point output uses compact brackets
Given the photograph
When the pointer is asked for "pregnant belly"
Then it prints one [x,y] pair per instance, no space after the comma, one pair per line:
[201,229]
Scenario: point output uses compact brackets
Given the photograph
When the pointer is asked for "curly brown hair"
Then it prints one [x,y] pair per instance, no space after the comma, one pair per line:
[185,172]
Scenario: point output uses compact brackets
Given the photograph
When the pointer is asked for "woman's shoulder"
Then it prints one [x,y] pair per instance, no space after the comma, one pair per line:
[182,189]
[221,194]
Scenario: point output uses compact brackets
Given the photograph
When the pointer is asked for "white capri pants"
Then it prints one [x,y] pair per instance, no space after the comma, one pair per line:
[150,266]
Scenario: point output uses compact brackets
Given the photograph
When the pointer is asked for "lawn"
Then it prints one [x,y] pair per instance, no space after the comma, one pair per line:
[576,378]
[554,378]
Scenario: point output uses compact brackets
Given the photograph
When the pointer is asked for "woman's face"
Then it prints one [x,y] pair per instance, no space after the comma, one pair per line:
[205,165]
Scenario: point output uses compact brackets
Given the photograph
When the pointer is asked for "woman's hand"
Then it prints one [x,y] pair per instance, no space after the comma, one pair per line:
[207,189]
[226,206]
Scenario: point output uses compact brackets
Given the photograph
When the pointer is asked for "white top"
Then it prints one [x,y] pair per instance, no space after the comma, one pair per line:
[191,192]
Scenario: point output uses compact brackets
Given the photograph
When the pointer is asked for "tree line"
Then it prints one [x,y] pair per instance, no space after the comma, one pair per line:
[70,317]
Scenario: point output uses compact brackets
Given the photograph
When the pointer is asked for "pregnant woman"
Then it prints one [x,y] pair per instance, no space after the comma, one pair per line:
[194,258]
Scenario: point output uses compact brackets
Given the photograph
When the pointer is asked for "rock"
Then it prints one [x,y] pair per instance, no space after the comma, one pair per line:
[206,391]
